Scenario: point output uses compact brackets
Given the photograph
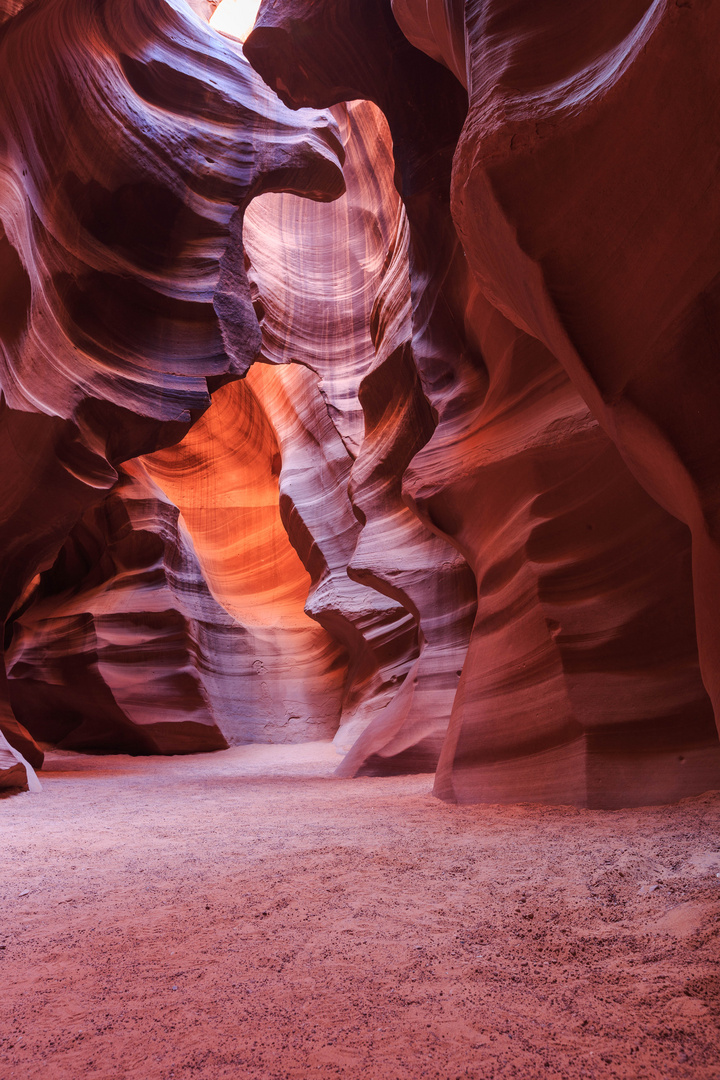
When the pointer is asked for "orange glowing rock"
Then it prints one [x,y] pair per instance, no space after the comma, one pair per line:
[124,296]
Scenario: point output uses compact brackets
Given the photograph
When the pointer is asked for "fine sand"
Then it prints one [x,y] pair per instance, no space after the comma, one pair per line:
[245,914]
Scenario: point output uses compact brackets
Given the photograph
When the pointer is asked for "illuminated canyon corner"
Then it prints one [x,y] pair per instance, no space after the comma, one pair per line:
[360,393]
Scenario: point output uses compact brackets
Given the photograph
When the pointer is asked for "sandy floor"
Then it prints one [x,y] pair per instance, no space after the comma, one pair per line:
[244,914]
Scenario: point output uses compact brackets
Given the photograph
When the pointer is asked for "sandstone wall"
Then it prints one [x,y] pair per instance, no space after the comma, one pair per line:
[582,680]
[461,511]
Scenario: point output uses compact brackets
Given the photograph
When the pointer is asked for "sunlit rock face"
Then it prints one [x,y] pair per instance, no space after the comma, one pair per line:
[286,673]
[289,483]
[335,607]
[412,329]
[125,648]
[131,139]
[334,286]
[234,17]
[582,681]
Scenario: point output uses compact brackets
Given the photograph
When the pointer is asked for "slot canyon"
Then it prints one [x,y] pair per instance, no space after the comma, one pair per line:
[360,539]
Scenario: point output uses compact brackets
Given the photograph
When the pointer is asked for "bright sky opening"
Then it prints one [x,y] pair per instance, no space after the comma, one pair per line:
[235,17]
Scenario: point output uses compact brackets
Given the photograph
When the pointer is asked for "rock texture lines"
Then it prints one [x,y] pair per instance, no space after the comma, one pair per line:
[131,141]
[360,383]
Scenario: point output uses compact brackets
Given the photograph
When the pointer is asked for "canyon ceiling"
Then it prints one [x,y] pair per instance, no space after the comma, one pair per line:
[362,382]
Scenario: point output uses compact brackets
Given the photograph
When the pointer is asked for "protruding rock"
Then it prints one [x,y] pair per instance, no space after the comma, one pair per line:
[16,774]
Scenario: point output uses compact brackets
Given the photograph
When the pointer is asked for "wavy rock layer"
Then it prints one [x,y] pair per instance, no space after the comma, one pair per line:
[130,144]
[124,647]
[592,259]
[331,287]
[224,477]
[103,656]
[582,681]
[334,290]
[124,237]
[482,435]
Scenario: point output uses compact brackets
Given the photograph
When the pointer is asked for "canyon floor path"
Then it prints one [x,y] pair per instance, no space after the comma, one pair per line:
[247,914]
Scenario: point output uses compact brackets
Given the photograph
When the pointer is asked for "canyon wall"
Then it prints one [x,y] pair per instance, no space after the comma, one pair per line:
[459,512]
[582,681]
[334,285]
[584,191]
[282,468]
[131,140]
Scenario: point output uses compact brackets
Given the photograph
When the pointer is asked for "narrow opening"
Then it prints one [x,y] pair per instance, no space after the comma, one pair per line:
[235,17]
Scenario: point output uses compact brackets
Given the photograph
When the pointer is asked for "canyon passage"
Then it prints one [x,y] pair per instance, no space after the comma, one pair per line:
[359,565]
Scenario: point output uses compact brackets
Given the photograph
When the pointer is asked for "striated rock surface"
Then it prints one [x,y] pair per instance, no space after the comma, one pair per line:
[464,507]
[124,648]
[289,676]
[9,8]
[582,681]
[106,655]
[131,140]
[584,250]
[395,553]
[317,275]
[379,634]
[128,215]
[335,295]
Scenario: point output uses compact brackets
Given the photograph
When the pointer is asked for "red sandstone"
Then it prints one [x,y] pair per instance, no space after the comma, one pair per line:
[460,513]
